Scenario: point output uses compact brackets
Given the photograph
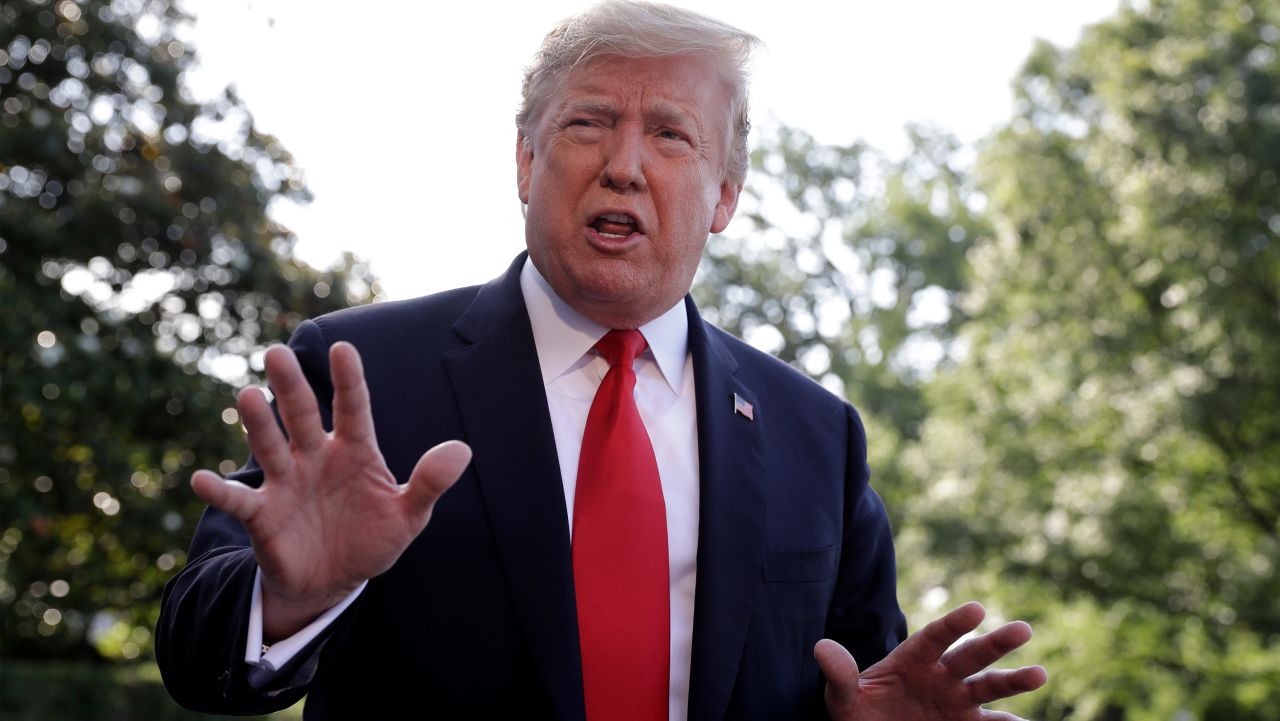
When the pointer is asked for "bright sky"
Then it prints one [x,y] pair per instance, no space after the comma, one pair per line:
[401,112]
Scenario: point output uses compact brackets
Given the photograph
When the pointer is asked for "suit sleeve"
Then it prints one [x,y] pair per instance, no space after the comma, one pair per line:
[200,636]
[865,617]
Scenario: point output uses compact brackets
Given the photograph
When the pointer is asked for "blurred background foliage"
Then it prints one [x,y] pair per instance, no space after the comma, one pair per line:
[1065,343]
[1066,346]
[141,279]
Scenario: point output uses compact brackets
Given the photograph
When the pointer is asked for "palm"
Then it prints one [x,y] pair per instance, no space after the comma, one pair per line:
[891,692]
[922,680]
[329,515]
[295,528]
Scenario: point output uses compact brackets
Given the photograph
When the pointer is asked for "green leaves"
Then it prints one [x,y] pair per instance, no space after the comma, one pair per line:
[1095,449]
[142,277]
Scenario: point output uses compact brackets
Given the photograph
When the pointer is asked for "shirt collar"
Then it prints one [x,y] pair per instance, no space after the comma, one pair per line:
[563,336]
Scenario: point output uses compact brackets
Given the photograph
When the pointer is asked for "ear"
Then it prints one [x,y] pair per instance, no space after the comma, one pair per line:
[726,205]
[524,166]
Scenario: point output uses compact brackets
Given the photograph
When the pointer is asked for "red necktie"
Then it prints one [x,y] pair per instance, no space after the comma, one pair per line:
[620,562]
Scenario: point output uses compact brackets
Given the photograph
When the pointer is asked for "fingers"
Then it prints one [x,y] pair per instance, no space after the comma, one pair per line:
[294,398]
[840,670]
[929,643]
[351,414]
[995,685]
[266,441]
[434,474]
[230,497]
[978,653]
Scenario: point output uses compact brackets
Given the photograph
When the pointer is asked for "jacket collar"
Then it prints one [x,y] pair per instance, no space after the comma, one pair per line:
[499,390]
[731,522]
[499,387]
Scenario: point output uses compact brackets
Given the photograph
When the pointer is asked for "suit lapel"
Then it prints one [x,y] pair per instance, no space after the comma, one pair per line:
[499,389]
[731,524]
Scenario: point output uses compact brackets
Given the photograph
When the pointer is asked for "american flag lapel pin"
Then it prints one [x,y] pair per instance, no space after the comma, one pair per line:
[743,408]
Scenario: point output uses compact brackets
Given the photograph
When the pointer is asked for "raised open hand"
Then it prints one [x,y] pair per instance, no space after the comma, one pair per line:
[921,680]
[329,514]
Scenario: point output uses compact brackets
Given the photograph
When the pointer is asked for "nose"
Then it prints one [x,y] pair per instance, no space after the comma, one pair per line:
[624,159]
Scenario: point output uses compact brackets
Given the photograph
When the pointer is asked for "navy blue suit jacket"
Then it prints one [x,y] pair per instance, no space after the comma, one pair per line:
[477,618]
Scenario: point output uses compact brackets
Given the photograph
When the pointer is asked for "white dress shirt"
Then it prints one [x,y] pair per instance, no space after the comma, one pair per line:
[571,372]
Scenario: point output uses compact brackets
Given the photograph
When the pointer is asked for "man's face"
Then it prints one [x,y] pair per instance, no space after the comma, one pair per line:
[624,179]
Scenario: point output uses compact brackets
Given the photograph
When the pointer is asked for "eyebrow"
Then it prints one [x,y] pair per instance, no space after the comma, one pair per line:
[669,113]
[594,106]
[660,111]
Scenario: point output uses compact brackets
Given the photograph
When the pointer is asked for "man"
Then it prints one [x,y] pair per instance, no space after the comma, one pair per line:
[654,524]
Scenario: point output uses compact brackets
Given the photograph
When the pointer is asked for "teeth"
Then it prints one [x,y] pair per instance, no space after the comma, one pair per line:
[618,218]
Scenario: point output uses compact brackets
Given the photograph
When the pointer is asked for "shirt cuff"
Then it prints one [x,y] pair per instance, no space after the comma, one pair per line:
[269,660]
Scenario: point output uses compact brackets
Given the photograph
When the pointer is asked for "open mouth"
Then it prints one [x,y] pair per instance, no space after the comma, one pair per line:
[615,225]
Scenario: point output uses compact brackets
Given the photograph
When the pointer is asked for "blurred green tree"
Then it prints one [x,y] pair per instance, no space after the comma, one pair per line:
[1083,429]
[847,264]
[142,277]
[1106,458]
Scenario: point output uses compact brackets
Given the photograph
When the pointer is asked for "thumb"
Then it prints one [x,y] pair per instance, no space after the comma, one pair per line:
[435,473]
[841,671]
[230,497]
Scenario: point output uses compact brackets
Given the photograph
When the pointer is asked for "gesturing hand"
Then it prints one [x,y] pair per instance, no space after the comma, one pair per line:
[922,681]
[329,514]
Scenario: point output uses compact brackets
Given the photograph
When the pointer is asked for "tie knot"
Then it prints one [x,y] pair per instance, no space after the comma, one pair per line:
[620,347]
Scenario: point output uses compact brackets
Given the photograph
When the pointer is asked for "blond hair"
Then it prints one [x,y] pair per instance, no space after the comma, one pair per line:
[630,29]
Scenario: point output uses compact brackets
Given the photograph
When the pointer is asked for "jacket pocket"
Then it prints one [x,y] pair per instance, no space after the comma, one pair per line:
[818,564]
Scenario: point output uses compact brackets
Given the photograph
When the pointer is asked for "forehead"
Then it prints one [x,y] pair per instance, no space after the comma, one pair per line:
[689,85]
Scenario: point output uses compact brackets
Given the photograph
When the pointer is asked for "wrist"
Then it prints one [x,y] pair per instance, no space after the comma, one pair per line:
[284,615]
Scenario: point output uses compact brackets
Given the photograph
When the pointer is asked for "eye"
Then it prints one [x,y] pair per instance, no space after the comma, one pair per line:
[669,134]
[583,130]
